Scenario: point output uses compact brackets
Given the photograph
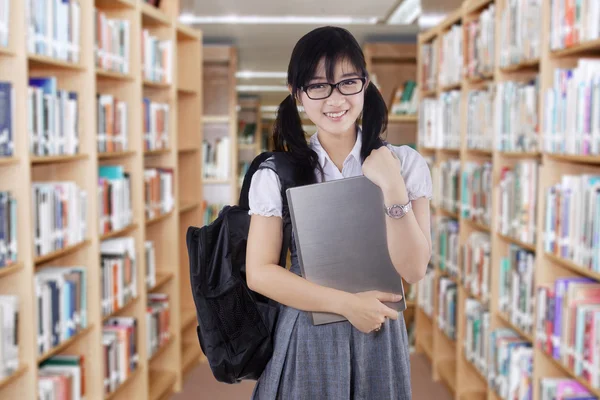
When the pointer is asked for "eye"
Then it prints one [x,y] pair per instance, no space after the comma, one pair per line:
[316,86]
[350,82]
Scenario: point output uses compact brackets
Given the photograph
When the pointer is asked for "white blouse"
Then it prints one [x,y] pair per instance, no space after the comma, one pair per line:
[264,195]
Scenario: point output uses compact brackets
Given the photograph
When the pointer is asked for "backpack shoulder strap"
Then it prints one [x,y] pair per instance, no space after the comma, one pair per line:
[254,166]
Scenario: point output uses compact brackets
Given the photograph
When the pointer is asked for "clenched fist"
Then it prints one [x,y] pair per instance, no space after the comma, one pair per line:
[383,168]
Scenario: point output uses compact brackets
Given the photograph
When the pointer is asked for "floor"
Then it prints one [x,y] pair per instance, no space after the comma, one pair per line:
[200,384]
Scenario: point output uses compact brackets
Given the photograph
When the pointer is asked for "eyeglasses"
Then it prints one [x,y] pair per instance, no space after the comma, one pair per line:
[347,87]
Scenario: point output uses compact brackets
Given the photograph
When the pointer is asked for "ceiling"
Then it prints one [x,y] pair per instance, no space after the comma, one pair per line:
[267,47]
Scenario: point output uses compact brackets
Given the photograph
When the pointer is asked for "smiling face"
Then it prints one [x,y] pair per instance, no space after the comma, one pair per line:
[336,114]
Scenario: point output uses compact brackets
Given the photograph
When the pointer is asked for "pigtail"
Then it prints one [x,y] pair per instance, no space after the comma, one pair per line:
[288,137]
[374,120]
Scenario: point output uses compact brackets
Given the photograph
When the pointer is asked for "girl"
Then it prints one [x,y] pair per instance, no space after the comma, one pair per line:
[367,356]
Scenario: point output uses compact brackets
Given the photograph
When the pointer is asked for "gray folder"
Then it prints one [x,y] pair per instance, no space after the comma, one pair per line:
[340,235]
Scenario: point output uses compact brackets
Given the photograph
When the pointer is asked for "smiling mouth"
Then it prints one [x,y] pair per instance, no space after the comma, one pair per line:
[336,114]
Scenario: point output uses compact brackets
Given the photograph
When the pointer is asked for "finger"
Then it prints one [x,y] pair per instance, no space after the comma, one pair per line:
[388,297]
[391,313]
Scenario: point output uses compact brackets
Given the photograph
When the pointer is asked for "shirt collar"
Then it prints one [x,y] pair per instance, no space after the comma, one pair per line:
[324,157]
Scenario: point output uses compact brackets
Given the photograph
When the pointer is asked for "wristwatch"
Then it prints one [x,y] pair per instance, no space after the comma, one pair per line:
[398,211]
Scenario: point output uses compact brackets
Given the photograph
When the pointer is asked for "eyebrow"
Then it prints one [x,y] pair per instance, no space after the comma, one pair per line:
[343,76]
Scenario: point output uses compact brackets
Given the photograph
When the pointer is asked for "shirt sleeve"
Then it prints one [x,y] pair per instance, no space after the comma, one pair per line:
[415,172]
[264,195]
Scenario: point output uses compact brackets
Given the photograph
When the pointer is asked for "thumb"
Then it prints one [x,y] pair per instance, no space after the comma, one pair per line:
[388,297]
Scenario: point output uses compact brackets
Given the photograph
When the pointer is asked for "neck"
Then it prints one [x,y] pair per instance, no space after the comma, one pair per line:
[338,146]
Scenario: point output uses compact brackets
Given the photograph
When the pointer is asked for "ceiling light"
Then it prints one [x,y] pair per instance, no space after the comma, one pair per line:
[259,74]
[283,19]
[261,88]
[430,20]
[406,13]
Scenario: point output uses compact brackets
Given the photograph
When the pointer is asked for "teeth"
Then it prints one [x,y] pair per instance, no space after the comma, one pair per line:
[335,115]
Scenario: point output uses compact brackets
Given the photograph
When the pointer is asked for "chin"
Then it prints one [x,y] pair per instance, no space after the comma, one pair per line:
[337,128]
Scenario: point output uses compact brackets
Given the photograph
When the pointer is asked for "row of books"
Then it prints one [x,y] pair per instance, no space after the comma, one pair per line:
[156,124]
[62,377]
[7,119]
[446,248]
[59,216]
[120,351]
[480,44]
[118,273]
[157,58]
[517,287]
[429,65]
[114,198]
[517,201]
[111,42]
[573,22]
[158,191]
[61,295]
[4,22]
[210,211]
[451,57]
[8,229]
[476,265]
[510,365]
[520,32]
[426,292]
[447,307]
[476,192]
[572,220]
[446,185]
[563,389]
[476,346]
[216,158]
[150,257]
[567,325]
[439,121]
[54,28]
[571,117]
[406,100]
[9,338]
[52,118]
[112,124]
[480,111]
[157,322]
[247,132]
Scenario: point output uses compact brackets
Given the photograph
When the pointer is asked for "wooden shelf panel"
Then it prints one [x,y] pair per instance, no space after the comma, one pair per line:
[508,239]
[448,213]
[579,269]
[161,279]
[121,310]
[160,383]
[447,371]
[114,4]
[477,225]
[213,181]
[524,66]
[448,88]
[162,349]
[480,153]
[593,160]
[58,159]
[133,375]
[186,206]
[471,6]
[504,318]
[184,32]
[403,118]
[60,253]
[155,220]
[152,16]
[39,61]
[519,154]
[120,232]
[117,76]
[64,345]
[155,153]
[156,85]
[452,152]
[10,269]
[584,48]
[190,357]
[182,150]
[8,161]
[6,52]
[14,377]
[188,317]
[214,119]
[473,367]
[116,154]
[567,371]
[186,91]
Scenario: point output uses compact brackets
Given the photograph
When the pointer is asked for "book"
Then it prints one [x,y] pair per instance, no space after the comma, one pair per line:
[476,189]
[112,124]
[158,322]
[8,230]
[216,158]
[158,191]
[480,44]
[7,117]
[156,117]
[446,249]
[118,273]
[429,56]
[9,335]
[157,58]
[476,336]
[573,22]
[114,198]
[150,252]
[120,351]
[404,100]
[111,42]
[439,121]
[426,292]
[64,374]
[476,265]
[520,32]
[451,56]
[480,111]
[446,315]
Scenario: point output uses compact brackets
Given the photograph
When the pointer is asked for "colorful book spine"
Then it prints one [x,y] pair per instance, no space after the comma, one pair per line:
[7,118]
[8,230]
[451,57]
[114,198]
[480,111]
[476,202]
[480,44]
[157,58]
[158,191]
[476,265]
[446,249]
[447,300]
[156,125]
[112,124]
[573,22]
[439,121]
[429,65]
[520,31]
[476,336]
[111,43]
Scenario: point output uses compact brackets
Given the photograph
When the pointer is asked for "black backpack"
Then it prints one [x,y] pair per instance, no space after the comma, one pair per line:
[235,324]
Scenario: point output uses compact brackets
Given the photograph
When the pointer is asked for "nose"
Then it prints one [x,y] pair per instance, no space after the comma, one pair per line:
[336,99]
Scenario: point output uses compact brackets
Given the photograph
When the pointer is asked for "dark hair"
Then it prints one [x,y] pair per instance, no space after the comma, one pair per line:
[333,44]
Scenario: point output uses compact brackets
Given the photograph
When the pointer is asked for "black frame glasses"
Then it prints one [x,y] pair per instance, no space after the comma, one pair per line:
[333,86]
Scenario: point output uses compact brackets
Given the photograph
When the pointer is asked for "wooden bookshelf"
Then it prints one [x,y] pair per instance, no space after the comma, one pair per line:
[17,173]
[449,363]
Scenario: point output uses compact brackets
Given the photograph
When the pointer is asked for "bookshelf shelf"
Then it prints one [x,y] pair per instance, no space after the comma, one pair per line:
[566,370]
[58,159]
[593,160]
[519,154]
[585,48]
[161,279]
[186,91]
[161,382]
[448,213]
[447,371]
[151,16]
[122,310]
[402,118]
[60,253]
[156,85]
[183,150]
[506,320]
[452,152]
[472,367]
[155,153]
[133,375]
[524,66]
[8,161]
[14,377]
[471,6]
[161,350]
[184,32]
[508,239]
[160,218]
[448,88]
[64,345]
[116,155]
[188,317]
[212,181]
[186,206]
[104,74]
[247,146]
[39,61]
[477,225]
[10,269]
[429,93]
[579,269]
[480,79]
[215,119]
[115,4]
[5,52]
[480,153]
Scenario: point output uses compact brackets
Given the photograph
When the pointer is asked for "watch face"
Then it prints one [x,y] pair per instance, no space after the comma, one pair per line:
[396,211]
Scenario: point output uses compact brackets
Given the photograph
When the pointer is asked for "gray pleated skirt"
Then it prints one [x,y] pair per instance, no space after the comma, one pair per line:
[335,361]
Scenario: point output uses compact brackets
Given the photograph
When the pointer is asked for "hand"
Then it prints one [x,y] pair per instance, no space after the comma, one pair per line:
[366,311]
[383,168]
